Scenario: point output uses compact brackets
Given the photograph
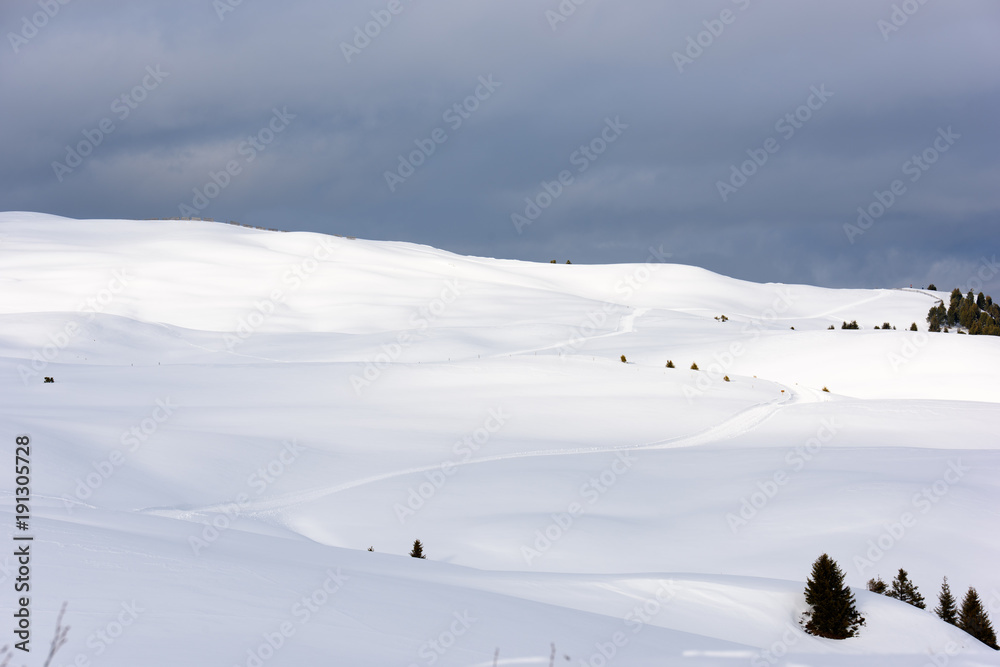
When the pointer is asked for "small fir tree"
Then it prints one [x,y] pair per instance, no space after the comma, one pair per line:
[694,366]
[832,613]
[946,609]
[876,585]
[418,549]
[974,620]
[904,590]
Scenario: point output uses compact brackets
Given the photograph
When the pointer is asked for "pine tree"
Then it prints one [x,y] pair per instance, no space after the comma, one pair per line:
[832,613]
[974,620]
[953,305]
[418,549]
[876,585]
[905,591]
[946,609]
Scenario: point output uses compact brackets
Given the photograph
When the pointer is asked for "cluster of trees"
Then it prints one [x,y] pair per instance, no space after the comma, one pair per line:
[978,315]
[853,324]
[832,612]
[972,616]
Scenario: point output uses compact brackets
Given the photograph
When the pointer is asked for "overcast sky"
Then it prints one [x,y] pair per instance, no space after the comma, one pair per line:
[739,135]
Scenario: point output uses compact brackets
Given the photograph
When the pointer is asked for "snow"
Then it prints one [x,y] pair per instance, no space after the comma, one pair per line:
[237,415]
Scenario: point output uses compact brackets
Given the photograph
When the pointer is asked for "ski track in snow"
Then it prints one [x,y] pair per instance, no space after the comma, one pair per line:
[626,325]
[882,293]
[740,423]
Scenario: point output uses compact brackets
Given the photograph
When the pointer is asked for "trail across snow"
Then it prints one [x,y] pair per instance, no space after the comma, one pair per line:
[739,424]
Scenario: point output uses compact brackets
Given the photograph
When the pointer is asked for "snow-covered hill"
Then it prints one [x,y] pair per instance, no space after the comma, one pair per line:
[237,415]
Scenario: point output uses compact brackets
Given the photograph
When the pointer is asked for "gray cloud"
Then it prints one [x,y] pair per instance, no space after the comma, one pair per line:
[656,184]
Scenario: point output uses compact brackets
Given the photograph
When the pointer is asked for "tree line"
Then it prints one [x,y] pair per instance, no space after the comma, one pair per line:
[832,613]
[978,314]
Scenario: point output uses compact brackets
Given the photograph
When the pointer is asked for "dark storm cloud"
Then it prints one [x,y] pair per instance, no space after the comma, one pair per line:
[312,126]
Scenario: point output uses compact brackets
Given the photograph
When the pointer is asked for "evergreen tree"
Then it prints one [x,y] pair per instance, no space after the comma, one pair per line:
[932,287]
[905,591]
[946,609]
[937,317]
[967,313]
[832,613]
[913,327]
[955,302]
[876,585]
[974,620]
[418,549]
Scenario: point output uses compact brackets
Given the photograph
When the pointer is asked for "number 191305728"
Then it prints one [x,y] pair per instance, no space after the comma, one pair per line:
[22,480]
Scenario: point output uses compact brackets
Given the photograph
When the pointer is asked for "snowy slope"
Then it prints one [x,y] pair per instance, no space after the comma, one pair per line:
[239,413]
